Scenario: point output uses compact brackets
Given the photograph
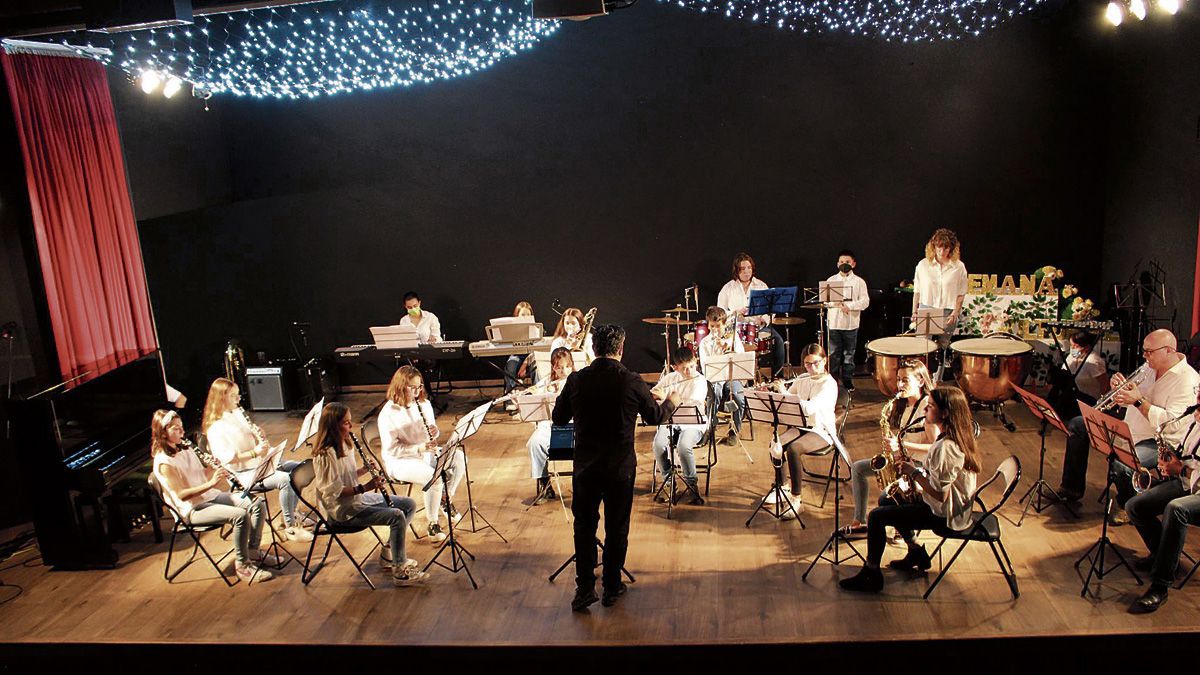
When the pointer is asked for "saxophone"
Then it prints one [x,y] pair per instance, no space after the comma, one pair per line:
[886,464]
[580,338]
[1143,478]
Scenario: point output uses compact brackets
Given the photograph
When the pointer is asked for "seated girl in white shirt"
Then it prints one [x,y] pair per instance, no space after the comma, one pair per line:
[566,334]
[561,365]
[408,432]
[818,392]
[685,379]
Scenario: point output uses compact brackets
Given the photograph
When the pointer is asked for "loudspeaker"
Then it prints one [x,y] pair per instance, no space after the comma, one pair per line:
[265,387]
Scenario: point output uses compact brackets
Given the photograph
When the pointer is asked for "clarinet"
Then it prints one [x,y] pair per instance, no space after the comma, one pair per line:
[254,428]
[208,459]
[437,451]
[376,473]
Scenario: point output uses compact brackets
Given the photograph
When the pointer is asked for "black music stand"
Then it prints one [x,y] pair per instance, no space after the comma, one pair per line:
[1110,437]
[1049,417]
[464,429]
[931,322]
[776,409]
[685,414]
[599,563]
[837,537]
[458,552]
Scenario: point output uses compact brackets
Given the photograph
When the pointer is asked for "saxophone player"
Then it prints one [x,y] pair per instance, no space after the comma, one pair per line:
[561,365]
[241,446]
[569,334]
[947,485]
[722,338]
[345,501]
[1168,387]
[1177,502]
[408,433]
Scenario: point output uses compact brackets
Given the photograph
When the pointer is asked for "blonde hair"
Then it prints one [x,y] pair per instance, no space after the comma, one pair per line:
[522,305]
[715,314]
[942,237]
[159,424]
[561,331]
[397,391]
[214,406]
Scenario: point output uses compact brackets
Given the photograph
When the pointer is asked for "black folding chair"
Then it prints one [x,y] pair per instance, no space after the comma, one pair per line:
[843,402]
[301,477]
[985,527]
[368,432]
[194,531]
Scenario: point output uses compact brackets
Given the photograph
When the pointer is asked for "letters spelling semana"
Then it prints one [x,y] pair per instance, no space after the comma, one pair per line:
[979,284]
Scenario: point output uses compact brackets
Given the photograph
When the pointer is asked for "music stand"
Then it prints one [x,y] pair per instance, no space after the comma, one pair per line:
[267,467]
[466,427]
[775,408]
[1110,437]
[723,368]
[308,428]
[837,537]
[931,323]
[686,413]
[1042,410]
[537,408]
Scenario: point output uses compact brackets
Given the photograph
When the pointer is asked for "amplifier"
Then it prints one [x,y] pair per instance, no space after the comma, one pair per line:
[265,387]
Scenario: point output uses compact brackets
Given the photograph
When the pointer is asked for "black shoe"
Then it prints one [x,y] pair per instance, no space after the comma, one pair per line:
[610,596]
[1150,601]
[917,559]
[850,387]
[868,580]
[663,496]
[584,597]
[1068,495]
[1144,564]
[696,499]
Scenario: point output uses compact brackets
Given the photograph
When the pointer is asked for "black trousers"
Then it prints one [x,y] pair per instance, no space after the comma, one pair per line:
[904,517]
[615,491]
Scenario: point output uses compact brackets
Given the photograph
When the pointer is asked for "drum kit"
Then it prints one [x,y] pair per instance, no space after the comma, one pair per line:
[749,334]
[986,367]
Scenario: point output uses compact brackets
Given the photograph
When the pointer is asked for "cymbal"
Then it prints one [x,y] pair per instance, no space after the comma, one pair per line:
[678,310]
[788,320]
[666,321]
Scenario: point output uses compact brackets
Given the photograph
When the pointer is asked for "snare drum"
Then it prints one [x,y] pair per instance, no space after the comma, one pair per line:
[754,339]
[886,354]
[988,367]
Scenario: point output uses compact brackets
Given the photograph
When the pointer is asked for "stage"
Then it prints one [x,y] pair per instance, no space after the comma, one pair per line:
[703,578]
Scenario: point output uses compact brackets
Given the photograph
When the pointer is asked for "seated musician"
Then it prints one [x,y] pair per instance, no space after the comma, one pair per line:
[429,329]
[906,419]
[515,366]
[194,491]
[722,338]
[561,365]
[734,297]
[818,392]
[1176,501]
[241,446]
[947,484]
[345,501]
[1082,377]
[408,432]
[692,388]
[1168,388]
[567,334]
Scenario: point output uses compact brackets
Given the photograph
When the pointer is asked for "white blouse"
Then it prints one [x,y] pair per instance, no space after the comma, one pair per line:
[332,474]
[818,400]
[191,471]
[227,437]
[561,341]
[402,432]
[692,391]
[710,346]
[944,467]
[940,285]
[429,330]
[733,296]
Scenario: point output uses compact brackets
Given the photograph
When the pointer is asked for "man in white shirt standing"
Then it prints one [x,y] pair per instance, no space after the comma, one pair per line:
[844,318]
[734,297]
[429,329]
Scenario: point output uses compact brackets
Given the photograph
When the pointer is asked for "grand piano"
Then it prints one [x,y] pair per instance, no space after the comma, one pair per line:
[74,445]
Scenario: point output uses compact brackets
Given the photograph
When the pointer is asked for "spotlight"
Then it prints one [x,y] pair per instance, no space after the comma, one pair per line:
[1138,9]
[150,81]
[1115,14]
[1169,6]
[172,87]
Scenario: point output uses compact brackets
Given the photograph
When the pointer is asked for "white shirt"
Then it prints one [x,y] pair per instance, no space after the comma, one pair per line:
[191,472]
[227,437]
[1093,368]
[561,341]
[1167,397]
[818,400]
[429,330]
[1189,447]
[332,474]
[940,285]
[858,300]
[692,391]
[710,346]
[944,467]
[402,431]
[733,297]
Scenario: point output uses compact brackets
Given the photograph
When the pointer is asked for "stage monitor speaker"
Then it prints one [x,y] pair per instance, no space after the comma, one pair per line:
[568,9]
[265,387]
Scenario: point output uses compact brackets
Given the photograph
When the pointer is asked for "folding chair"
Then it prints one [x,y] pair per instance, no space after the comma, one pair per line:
[844,402]
[985,527]
[194,531]
[302,476]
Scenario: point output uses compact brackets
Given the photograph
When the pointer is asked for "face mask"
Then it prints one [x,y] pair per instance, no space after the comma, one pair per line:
[414,311]
[572,329]
[845,268]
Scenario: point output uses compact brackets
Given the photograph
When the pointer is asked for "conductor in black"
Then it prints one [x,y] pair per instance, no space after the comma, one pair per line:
[604,400]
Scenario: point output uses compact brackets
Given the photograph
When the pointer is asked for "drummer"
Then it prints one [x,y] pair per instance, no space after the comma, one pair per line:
[844,317]
[723,339]
[940,282]
[734,297]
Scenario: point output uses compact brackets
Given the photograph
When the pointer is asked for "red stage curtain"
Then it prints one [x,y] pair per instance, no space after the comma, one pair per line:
[83,221]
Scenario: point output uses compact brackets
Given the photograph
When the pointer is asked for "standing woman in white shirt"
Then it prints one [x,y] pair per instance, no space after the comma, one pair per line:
[818,392]
[843,319]
[940,282]
[566,334]
[429,329]
[735,298]
[241,446]
[409,433]
[946,488]
[561,365]
[693,390]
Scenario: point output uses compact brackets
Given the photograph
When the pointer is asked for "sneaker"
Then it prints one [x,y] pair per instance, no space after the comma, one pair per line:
[611,596]
[386,565]
[455,516]
[250,572]
[409,576]
[584,597]
[295,533]
[436,536]
[731,438]
[850,387]
[1119,518]
[269,559]
[510,406]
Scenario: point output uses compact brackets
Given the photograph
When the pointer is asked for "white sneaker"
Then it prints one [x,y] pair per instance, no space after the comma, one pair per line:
[510,406]
[409,563]
[269,559]
[250,571]
[296,533]
[409,577]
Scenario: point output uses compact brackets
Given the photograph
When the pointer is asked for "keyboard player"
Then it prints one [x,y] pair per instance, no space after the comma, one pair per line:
[429,329]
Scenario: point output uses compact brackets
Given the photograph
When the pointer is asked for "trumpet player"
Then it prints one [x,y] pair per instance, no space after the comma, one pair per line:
[1168,385]
[345,501]
[241,446]
[408,433]
[561,365]
[569,333]
[722,338]
[193,490]
[1176,501]
[947,483]
[685,379]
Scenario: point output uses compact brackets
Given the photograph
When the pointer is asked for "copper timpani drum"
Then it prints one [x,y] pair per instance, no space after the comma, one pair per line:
[887,352]
[988,367]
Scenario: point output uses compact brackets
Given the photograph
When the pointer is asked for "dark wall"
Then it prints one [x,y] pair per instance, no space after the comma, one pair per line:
[613,165]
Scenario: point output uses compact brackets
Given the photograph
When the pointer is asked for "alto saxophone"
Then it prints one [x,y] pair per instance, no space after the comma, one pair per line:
[1143,478]
[887,463]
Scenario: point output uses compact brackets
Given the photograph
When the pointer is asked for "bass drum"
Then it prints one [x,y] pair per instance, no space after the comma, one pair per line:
[988,367]
[697,334]
[886,354]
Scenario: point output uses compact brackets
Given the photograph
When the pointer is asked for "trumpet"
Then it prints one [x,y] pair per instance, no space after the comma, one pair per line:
[1135,378]
[1143,478]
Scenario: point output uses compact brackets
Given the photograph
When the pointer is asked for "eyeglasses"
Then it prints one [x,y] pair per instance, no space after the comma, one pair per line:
[1148,352]
[815,362]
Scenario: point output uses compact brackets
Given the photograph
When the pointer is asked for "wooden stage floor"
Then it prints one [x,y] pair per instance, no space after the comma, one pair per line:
[703,578]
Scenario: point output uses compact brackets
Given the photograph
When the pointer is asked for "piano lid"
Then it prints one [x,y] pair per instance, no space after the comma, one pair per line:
[109,410]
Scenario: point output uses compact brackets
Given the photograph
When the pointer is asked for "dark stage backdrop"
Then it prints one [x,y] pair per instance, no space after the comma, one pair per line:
[611,166]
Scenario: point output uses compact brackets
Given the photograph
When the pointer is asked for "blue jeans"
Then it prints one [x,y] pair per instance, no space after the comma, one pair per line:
[513,366]
[235,510]
[282,480]
[685,446]
[1164,539]
[539,450]
[842,344]
[735,394]
[397,514]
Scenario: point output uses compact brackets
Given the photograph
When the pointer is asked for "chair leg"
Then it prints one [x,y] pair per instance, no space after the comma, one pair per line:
[1006,567]
[1188,576]
[355,562]
[944,569]
[310,572]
